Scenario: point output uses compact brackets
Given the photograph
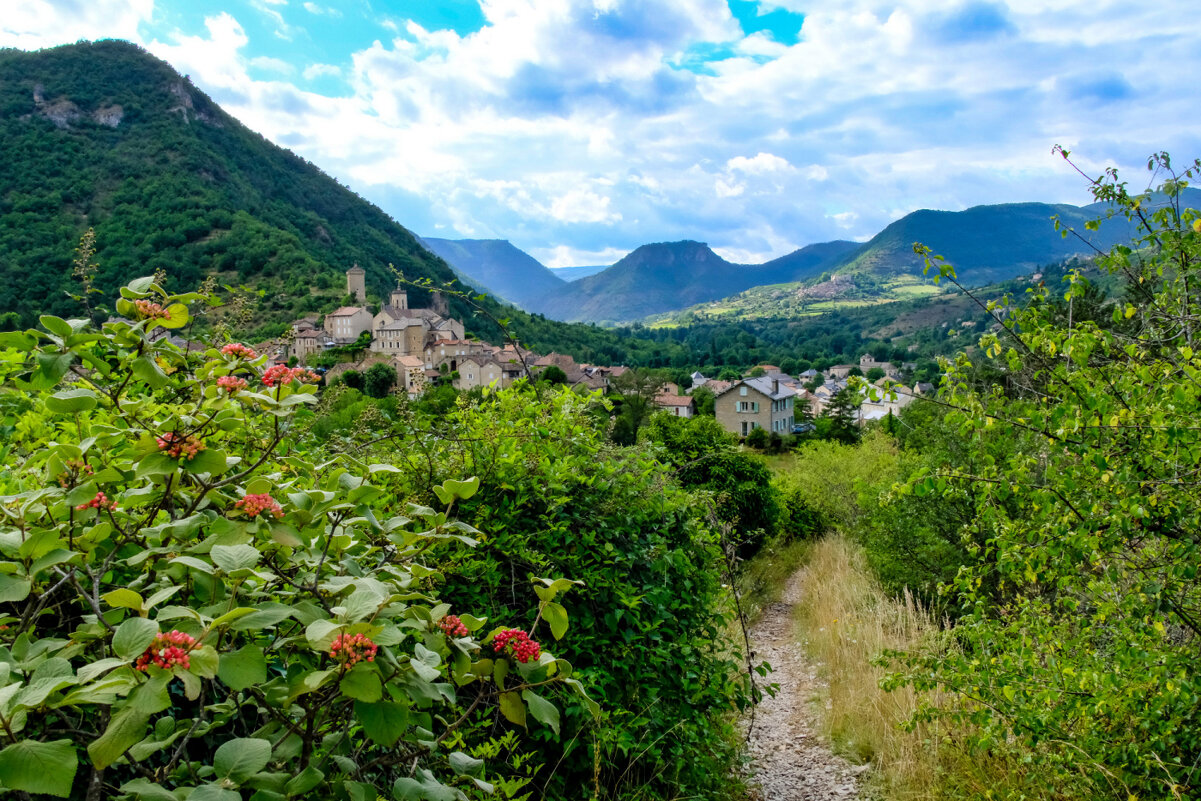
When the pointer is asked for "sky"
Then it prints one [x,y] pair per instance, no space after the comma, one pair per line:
[581,129]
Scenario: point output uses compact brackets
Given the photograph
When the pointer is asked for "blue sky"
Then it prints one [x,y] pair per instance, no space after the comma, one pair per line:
[580,129]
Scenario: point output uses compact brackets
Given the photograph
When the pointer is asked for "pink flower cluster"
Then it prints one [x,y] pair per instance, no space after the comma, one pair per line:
[176,445]
[99,502]
[167,651]
[149,310]
[238,350]
[353,648]
[452,626]
[279,375]
[254,505]
[517,643]
[232,384]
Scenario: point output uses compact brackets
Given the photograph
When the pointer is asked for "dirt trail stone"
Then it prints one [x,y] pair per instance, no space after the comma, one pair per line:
[790,761]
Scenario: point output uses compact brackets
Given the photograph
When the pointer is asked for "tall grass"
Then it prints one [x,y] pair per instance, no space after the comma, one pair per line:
[847,620]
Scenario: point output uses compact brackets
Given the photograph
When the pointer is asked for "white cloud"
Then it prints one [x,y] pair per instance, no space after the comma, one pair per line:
[269,64]
[322,70]
[561,121]
[32,24]
[761,164]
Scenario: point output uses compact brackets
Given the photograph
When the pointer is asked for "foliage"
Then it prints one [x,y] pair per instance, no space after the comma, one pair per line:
[379,380]
[1078,652]
[649,625]
[192,605]
[706,457]
[841,416]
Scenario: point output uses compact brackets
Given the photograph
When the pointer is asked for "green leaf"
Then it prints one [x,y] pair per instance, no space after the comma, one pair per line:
[210,460]
[14,589]
[134,636]
[471,622]
[556,616]
[156,464]
[464,765]
[56,325]
[543,711]
[214,792]
[128,726]
[36,767]
[123,598]
[145,790]
[178,316]
[238,760]
[362,683]
[245,667]
[145,369]
[305,781]
[234,557]
[452,490]
[512,708]
[384,722]
[71,401]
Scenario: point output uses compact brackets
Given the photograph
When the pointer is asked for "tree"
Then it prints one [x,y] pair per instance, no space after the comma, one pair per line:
[554,375]
[842,414]
[379,380]
[1079,651]
[706,401]
[757,438]
[875,374]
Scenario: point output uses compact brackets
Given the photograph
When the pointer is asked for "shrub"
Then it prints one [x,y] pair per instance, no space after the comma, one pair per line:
[193,604]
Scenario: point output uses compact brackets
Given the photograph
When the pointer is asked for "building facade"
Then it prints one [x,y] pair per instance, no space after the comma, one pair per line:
[755,403]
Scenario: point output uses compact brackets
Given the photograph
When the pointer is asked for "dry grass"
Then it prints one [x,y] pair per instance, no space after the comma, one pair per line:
[847,620]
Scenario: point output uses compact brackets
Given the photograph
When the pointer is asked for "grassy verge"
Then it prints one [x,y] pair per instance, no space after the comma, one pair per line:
[762,579]
[846,621]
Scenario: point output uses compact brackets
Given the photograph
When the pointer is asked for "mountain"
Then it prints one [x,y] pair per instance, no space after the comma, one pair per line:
[105,135]
[673,275]
[991,243]
[576,273]
[496,266]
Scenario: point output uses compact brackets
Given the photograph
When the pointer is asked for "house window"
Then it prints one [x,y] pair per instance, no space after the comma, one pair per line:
[742,390]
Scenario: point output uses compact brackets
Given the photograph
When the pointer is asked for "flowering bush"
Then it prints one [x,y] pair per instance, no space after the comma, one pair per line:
[232,384]
[239,351]
[200,639]
[516,643]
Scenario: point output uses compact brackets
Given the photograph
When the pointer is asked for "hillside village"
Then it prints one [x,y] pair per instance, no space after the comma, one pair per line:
[426,346]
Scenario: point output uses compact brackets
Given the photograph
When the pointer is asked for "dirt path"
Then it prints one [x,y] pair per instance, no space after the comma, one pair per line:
[790,760]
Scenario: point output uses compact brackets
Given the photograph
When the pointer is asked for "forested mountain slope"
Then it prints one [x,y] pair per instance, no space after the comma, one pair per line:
[105,135]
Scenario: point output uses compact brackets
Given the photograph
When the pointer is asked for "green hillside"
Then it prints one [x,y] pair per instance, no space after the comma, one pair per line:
[105,135]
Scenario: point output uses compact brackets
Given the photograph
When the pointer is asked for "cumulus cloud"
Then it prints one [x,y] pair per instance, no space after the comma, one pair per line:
[584,127]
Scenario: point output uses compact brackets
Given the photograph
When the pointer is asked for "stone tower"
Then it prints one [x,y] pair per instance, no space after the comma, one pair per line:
[356,283]
[400,298]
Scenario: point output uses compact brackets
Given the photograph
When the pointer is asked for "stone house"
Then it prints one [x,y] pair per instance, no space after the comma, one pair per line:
[309,341]
[401,337]
[345,324]
[678,405]
[755,403]
[479,371]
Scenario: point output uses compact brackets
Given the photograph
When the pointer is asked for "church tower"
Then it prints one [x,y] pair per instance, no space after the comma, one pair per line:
[356,283]
[400,298]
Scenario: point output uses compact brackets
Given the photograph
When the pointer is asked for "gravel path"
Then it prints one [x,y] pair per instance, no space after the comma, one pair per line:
[790,761]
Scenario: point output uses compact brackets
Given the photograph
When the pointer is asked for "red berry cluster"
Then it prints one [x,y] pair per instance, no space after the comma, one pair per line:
[232,384]
[517,643]
[238,350]
[149,310]
[101,501]
[177,445]
[75,468]
[452,626]
[352,648]
[254,505]
[167,651]
[279,375]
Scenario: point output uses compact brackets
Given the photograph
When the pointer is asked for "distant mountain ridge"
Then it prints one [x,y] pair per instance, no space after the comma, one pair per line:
[671,275]
[576,273]
[496,266]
